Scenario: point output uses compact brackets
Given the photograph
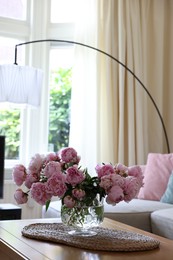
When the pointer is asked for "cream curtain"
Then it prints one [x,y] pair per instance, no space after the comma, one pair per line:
[122,124]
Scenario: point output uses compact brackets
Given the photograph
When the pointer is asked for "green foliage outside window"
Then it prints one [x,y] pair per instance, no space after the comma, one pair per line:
[60,95]
[10,127]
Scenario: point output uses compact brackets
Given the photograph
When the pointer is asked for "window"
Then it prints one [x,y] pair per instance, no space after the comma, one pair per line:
[10,127]
[15,9]
[34,128]
[61,63]
[7,46]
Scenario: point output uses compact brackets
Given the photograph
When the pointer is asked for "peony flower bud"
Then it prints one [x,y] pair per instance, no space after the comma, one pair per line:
[19,174]
[20,196]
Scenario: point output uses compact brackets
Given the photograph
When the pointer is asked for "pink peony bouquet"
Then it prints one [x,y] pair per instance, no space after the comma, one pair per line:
[59,174]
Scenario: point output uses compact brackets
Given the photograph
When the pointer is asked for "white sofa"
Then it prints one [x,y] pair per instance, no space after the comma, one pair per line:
[147,211]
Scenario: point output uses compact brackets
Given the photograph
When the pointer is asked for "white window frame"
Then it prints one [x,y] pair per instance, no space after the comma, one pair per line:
[34,123]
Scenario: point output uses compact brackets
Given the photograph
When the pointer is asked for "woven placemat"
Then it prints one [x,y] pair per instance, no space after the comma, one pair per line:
[105,240]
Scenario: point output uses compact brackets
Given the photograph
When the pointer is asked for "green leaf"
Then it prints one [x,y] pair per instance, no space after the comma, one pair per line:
[47,204]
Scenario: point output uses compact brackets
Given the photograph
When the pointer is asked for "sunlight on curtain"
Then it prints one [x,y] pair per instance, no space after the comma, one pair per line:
[83,102]
[134,32]
[108,125]
[114,120]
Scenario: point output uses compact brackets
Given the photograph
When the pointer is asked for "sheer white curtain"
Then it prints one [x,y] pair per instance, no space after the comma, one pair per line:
[83,134]
[115,121]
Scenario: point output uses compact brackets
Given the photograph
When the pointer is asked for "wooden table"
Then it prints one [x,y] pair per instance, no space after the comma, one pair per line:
[14,246]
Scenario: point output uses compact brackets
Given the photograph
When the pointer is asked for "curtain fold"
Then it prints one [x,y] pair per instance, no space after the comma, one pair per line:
[119,122]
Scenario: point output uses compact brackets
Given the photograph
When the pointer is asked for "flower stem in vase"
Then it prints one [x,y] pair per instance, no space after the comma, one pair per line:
[82,219]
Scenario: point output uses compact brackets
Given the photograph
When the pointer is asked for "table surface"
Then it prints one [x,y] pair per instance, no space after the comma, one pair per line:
[15,246]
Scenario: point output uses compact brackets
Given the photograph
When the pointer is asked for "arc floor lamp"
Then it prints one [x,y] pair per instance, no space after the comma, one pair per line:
[17,83]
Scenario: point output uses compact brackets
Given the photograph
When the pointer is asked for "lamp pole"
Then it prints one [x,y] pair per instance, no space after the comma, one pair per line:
[113,58]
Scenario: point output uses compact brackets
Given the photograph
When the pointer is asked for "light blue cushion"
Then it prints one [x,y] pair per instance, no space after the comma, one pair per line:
[168,195]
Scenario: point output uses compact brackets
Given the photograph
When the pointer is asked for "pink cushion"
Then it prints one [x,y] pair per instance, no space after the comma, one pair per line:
[157,173]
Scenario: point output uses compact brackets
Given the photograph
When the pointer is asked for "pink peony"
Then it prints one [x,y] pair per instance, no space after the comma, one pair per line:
[121,169]
[115,195]
[51,168]
[108,181]
[56,185]
[19,174]
[36,163]
[51,157]
[78,193]
[30,179]
[104,169]
[131,188]
[136,171]
[74,176]
[69,155]
[20,196]
[59,174]
[39,193]
[69,201]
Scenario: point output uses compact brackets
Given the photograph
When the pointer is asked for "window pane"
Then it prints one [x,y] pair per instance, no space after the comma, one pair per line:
[63,11]
[15,9]
[7,51]
[10,127]
[61,61]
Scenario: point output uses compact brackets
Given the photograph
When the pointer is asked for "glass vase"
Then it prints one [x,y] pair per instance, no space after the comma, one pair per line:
[82,218]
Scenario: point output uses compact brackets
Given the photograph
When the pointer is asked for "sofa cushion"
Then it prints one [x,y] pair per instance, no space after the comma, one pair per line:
[136,213]
[162,222]
[157,173]
[168,195]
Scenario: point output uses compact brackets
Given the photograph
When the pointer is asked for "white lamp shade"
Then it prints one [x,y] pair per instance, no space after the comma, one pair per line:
[20,84]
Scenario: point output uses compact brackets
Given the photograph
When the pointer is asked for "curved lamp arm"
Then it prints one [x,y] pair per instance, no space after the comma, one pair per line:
[113,58]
